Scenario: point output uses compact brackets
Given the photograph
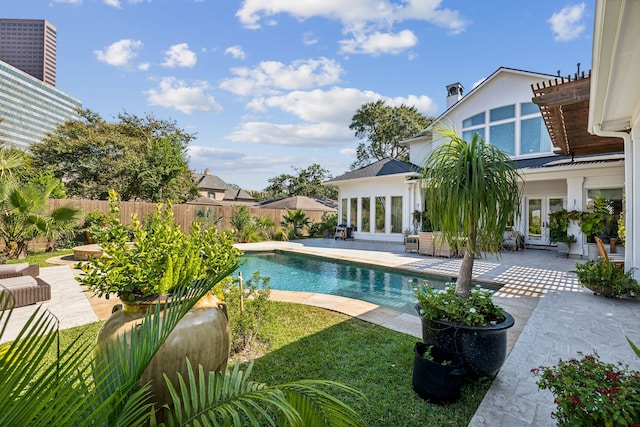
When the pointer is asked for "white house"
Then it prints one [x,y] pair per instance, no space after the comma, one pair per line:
[501,111]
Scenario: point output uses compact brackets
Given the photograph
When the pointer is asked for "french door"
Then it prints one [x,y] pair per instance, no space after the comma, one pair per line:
[537,218]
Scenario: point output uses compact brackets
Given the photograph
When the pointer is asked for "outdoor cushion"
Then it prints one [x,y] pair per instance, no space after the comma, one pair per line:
[26,290]
[22,269]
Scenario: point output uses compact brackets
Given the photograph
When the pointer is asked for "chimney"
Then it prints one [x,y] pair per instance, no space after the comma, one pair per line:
[454,94]
[207,171]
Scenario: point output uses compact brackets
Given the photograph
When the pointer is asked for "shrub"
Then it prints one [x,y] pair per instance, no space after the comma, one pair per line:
[445,304]
[606,278]
[591,392]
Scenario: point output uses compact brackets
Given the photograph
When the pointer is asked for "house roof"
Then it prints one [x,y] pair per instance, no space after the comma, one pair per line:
[380,168]
[564,104]
[560,161]
[300,202]
[210,182]
[486,81]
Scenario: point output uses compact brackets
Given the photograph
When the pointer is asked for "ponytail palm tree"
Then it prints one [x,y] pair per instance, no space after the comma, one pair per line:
[471,194]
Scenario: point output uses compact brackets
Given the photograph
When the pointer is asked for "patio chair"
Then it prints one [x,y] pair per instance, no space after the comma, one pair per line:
[26,290]
[17,270]
[616,259]
[411,243]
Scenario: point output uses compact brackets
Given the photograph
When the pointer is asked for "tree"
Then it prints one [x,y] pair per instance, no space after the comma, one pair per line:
[472,192]
[295,220]
[24,215]
[141,158]
[304,182]
[385,127]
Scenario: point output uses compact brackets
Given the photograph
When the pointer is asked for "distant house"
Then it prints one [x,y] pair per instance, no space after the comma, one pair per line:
[214,188]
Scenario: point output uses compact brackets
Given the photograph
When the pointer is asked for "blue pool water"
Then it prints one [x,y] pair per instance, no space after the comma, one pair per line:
[293,272]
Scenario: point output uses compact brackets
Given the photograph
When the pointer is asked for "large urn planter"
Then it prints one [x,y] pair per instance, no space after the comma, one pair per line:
[483,348]
[202,335]
[437,379]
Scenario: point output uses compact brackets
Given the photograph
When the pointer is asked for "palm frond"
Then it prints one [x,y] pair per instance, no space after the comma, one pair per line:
[231,399]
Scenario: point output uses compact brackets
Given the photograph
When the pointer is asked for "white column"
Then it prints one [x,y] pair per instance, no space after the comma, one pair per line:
[575,201]
[632,205]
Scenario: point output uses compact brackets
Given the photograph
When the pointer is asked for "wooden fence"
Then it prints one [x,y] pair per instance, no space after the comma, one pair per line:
[184,214]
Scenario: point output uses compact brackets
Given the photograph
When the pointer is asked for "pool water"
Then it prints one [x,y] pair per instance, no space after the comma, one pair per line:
[293,272]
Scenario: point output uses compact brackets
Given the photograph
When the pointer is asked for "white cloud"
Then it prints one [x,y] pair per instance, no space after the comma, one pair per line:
[179,55]
[120,53]
[271,77]
[174,93]
[568,24]
[382,13]
[377,43]
[236,52]
[337,105]
[143,66]
[112,3]
[309,39]
[299,135]
[322,117]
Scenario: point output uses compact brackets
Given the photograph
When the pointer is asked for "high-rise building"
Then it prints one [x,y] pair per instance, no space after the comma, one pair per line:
[30,45]
[30,108]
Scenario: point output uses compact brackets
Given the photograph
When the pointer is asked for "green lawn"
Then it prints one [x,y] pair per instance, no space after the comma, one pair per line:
[313,343]
[40,257]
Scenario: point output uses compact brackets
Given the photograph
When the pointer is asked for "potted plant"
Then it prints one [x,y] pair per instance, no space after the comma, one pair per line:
[144,273]
[590,392]
[437,374]
[593,224]
[472,194]
[606,278]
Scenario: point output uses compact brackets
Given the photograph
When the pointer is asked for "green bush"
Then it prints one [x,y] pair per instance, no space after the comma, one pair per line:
[445,304]
[248,308]
[160,257]
[606,278]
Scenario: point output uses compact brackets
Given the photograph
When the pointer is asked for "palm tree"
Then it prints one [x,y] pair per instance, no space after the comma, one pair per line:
[78,388]
[24,215]
[296,219]
[472,193]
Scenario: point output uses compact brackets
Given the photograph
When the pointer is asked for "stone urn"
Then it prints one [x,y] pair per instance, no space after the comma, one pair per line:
[202,335]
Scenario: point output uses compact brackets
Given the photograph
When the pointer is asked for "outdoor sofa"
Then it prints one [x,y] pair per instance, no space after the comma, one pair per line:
[21,282]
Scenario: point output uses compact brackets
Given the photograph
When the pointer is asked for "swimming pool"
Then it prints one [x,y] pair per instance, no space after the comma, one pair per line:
[294,272]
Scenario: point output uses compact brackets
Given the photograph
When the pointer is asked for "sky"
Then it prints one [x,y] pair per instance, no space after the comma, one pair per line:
[271,86]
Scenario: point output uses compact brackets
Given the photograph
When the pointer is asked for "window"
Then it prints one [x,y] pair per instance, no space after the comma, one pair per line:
[528,108]
[396,214]
[354,214]
[343,216]
[467,135]
[534,137]
[503,137]
[478,119]
[366,215]
[381,202]
[502,113]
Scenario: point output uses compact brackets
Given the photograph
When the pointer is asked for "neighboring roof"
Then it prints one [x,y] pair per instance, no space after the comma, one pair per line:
[210,182]
[299,202]
[564,104]
[382,167]
[233,193]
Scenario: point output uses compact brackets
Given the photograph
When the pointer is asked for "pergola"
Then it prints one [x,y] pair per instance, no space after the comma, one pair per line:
[564,104]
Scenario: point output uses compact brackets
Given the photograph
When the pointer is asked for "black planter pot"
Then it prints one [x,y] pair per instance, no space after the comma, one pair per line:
[483,348]
[433,381]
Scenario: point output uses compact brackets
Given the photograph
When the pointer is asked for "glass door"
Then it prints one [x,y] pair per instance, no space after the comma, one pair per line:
[537,217]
